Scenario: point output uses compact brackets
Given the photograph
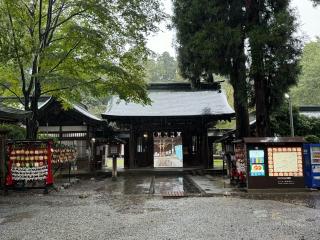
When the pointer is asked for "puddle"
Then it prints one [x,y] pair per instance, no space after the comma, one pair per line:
[306,199]
[136,185]
[183,184]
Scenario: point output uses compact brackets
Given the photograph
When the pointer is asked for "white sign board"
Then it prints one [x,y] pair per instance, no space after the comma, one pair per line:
[285,161]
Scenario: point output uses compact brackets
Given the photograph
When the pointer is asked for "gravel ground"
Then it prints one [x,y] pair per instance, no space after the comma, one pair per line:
[88,211]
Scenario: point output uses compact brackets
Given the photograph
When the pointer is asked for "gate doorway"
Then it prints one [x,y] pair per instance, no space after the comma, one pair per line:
[167,151]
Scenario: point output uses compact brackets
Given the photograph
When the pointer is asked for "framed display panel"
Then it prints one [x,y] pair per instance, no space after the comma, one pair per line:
[285,162]
[257,160]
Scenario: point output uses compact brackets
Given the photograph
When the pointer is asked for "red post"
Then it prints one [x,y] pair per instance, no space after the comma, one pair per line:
[49,179]
[9,180]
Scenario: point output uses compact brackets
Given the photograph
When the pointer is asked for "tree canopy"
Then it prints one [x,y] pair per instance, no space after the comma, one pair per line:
[251,42]
[307,90]
[274,52]
[211,37]
[162,68]
[74,48]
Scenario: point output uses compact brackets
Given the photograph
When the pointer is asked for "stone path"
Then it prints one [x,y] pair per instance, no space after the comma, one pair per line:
[210,185]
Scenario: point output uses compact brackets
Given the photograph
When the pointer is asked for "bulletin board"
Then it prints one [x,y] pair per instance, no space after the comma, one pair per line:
[284,162]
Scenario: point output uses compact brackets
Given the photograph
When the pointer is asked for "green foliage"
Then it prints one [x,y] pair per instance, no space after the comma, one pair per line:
[312,139]
[307,90]
[14,131]
[227,88]
[274,52]
[211,37]
[303,125]
[75,48]
[43,136]
[162,68]
[206,40]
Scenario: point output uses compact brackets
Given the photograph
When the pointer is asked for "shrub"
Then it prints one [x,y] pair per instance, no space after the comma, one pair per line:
[312,139]
[14,131]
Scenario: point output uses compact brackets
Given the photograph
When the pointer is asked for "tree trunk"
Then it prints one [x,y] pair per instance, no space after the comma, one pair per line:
[257,69]
[262,113]
[241,107]
[32,128]
[32,123]
[240,91]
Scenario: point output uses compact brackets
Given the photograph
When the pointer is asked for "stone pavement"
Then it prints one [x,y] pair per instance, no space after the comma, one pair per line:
[158,185]
[211,185]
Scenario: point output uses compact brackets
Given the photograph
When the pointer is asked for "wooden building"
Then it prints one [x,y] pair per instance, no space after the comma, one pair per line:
[74,126]
[178,115]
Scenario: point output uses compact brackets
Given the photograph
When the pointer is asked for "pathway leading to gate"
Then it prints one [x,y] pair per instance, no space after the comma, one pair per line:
[167,185]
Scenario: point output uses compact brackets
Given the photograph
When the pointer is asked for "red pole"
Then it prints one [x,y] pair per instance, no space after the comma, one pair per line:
[9,180]
[49,179]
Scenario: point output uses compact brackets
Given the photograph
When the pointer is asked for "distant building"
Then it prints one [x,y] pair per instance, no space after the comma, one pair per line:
[310,111]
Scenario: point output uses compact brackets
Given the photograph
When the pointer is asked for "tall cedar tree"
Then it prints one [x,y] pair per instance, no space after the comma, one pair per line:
[73,49]
[274,53]
[210,37]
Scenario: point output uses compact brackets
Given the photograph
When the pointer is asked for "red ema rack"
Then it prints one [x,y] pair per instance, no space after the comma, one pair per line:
[29,161]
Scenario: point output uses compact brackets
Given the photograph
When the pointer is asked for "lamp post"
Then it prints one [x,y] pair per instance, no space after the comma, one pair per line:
[287,96]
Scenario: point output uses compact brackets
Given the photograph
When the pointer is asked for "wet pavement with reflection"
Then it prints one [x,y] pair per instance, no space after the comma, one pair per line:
[162,184]
[132,184]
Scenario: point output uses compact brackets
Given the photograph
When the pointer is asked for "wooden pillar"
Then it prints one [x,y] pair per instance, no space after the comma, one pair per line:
[150,149]
[3,169]
[132,148]
[126,154]
[204,147]
[210,153]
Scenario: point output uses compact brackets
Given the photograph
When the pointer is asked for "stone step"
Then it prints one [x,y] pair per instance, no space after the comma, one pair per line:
[176,194]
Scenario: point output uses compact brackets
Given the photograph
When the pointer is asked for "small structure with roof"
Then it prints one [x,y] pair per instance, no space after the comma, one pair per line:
[74,126]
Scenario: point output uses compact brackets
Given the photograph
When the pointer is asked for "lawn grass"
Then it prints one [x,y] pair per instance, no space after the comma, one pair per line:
[218,163]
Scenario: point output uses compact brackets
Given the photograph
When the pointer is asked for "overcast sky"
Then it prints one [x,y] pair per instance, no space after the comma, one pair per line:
[308,16]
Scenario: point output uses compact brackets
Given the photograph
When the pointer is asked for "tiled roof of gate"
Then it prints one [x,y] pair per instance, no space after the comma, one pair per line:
[173,103]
